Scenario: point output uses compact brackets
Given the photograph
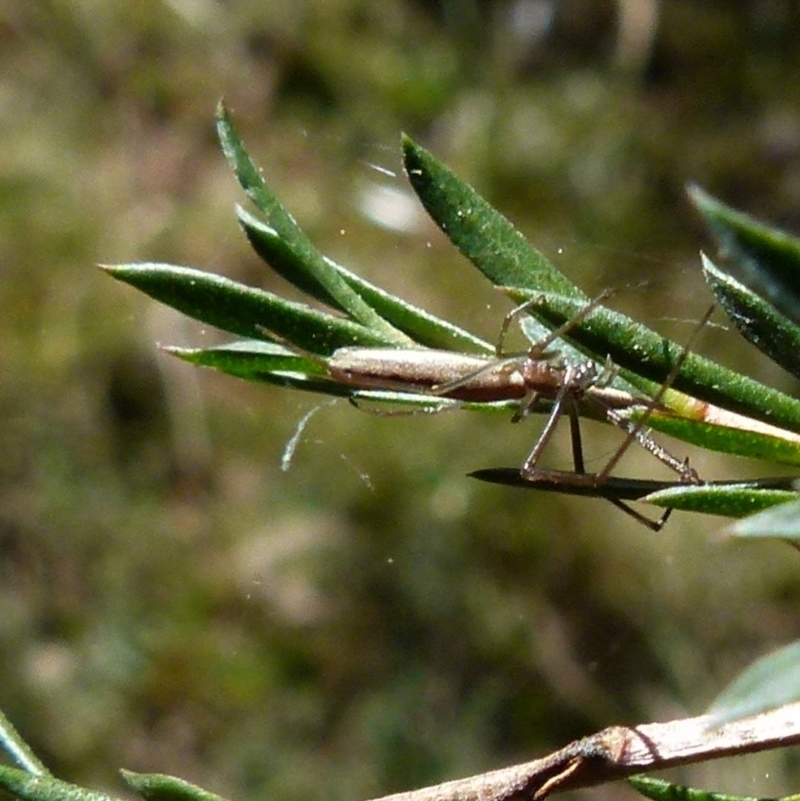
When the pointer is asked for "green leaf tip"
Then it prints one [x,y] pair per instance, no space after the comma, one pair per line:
[311,266]
[480,232]
[244,310]
[766,259]
[20,752]
[758,321]
[733,500]
[160,787]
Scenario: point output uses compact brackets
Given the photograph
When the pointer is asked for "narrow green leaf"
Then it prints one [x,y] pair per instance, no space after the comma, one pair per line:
[767,260]
[265,362]
[727,501]
[782,522]
[28,787]
[644,354]
[278,253]
[253,355]
[159,787]
[728,498]
[726,439]
[660,790]
[770,682]
[243,310]
[758,321]
[487,238]
[12,743]
[421,326]
[278,218]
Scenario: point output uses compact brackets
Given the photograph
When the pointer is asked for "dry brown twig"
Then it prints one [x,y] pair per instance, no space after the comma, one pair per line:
[618,752]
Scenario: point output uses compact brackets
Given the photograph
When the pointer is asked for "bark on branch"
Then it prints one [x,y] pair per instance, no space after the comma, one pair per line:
[617,752]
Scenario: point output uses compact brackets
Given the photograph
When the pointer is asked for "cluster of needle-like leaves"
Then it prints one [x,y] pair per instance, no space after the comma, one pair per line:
[288,343]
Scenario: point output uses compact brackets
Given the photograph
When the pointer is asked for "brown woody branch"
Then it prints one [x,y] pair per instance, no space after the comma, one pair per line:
[617,752]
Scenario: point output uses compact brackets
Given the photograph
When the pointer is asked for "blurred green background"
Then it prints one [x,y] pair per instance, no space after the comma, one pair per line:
[370,620]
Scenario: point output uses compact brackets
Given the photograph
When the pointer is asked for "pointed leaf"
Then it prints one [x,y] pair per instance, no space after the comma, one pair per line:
[728,501]
[770,682]
[480,232]
[778,448]
[661,790]
[278,218]
[12,743]
[767,260]
[159,787]
[421,326]
[758,321]
[266,362]
[257,356]
[728,498]
[244,310]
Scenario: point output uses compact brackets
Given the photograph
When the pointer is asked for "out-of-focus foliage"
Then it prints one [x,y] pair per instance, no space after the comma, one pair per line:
[371,620]
[771,682]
